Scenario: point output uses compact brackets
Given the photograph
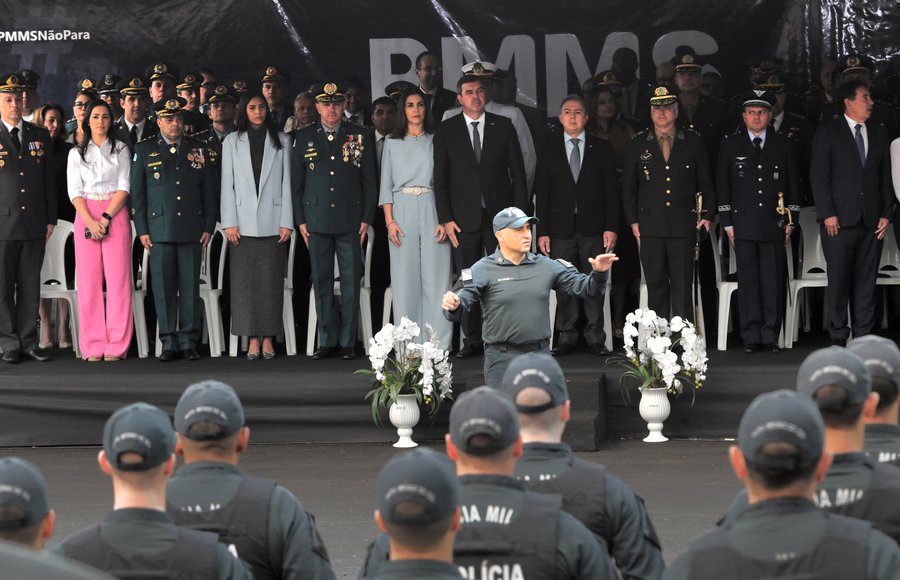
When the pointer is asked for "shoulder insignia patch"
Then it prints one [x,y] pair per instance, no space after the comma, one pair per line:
[466,276]
[565,263]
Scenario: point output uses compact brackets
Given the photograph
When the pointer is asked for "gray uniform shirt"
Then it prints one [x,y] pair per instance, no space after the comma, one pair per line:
[883,443]
[771,528]
[295,546]
[507,291]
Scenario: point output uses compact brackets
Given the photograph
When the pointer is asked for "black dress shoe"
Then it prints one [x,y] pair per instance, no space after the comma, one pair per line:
[12,357]
[599,349]
[468,351]
[562,349]
[37,356]
[324,352]
[348,353]
[191,354]
[772,348]
[169,355]
[752,348]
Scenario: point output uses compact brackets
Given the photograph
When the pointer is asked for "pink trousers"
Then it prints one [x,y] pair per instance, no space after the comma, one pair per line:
[104,328]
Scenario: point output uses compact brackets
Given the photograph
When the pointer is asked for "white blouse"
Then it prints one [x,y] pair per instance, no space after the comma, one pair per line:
[101,173]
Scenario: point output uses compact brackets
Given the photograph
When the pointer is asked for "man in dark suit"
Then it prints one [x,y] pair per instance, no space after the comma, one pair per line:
[757,176]
[850,173]
[334,195]
[478,170]
[134,125]
[577,189]
[666,168]
[174,205]
[27,217]
[439,99]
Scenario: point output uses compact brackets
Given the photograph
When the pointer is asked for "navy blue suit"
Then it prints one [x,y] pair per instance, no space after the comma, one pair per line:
[858,194]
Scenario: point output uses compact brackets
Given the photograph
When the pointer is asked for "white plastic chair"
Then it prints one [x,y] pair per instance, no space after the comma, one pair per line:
[365,301]
[209,295]
[724,287]
[53,276]
[287,310]
[888,270]
[138,294]
[812,271]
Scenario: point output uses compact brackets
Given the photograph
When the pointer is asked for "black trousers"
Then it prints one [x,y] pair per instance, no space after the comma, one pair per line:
[852,257]
[336,329]
[176,293]
[20,293]
[761,271]
[473,245]
[669,267]
[577,250]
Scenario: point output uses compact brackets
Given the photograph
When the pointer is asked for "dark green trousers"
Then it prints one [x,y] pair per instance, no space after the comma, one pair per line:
[175,270]
[336,329]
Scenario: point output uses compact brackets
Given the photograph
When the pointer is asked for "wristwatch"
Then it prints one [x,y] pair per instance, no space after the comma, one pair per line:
[107,216]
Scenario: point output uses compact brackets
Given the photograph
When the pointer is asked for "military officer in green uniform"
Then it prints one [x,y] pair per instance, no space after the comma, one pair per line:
[666,172]
[189,90]
[174,210]
[335,195]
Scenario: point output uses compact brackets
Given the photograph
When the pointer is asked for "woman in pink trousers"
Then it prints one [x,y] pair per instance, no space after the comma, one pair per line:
[98,174]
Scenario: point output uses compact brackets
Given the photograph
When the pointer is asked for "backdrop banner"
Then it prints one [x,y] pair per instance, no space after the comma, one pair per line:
[552,47]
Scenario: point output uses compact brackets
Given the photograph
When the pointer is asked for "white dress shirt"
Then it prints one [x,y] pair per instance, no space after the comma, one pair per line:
[777,120]
[762,136]
[480,120]
[9,128]
[140,127]
[865,134]
[568,141]
[895,166]
[101,173]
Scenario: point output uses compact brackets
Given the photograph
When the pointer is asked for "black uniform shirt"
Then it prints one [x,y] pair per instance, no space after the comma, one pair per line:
[883,443]
[137,530]
[621,522]
[294,541]
[416,570]
[770,530]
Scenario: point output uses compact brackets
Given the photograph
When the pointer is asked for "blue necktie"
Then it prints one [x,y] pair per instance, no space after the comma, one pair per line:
[860,144]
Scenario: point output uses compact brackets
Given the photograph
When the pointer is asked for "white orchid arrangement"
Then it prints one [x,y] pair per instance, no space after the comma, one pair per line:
[651,356]
[403,366]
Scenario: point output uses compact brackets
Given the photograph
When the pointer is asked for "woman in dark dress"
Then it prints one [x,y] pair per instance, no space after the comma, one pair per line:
[257,219]
[50,116]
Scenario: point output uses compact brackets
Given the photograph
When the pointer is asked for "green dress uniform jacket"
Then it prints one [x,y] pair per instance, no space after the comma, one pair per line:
[173,196]
[333,182]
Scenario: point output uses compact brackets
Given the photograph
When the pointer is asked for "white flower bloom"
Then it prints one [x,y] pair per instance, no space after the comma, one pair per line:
[677,324]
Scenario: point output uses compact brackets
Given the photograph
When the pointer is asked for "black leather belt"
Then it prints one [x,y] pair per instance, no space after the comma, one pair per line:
[513,347]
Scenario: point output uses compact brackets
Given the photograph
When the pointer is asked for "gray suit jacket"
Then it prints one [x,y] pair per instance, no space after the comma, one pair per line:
[262,215]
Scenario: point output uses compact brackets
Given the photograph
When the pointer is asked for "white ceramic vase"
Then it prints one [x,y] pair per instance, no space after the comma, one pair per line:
[404,414]
[654,409]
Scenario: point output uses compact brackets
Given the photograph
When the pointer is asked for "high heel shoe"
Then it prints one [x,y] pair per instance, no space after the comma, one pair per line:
[268,354]
[253,355]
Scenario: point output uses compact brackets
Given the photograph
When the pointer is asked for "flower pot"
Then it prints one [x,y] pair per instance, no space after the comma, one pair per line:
[654,409]
[404,415]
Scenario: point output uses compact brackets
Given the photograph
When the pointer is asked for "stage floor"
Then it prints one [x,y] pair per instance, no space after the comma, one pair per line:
[298,400]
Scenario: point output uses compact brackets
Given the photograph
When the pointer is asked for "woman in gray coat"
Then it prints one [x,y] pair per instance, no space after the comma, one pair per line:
[421,263]
[257,218]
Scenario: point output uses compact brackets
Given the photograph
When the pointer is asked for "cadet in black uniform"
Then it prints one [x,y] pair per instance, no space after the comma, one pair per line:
[757,176]
[882,358]
[506,532]
[25,514]
[260,521]
[418,508]
[601,501]
[706,115]
[854,486]
[512,281]
[142,540]
[19,563]
[782,534]
[665,169]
